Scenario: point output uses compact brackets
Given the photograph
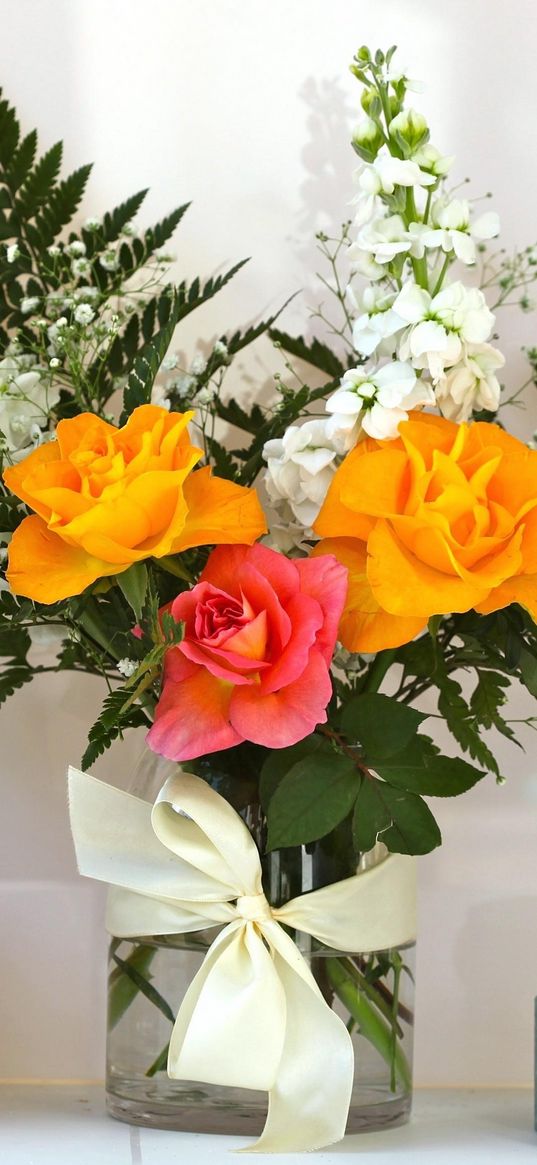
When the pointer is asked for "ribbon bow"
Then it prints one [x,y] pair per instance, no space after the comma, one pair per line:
[253,1016]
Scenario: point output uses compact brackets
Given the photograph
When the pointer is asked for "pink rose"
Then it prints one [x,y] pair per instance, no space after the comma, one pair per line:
[260,631]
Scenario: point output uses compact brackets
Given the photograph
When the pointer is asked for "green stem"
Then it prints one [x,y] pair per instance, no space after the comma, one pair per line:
[419,266]
[378,669]
[160,1063]
[372,1025]
[441,276]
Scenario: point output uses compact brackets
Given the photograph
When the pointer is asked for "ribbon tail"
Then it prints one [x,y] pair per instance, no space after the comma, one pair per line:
[230,1027]
[309,1101]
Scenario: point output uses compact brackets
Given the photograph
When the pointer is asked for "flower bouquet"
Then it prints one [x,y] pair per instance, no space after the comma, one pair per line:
[262,867]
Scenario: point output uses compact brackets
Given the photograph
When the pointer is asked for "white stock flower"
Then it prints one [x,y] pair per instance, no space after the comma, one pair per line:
[452,229]
[386,172]
[430,159]
[25,402]
[398,73]
[438,327]
[471,384]
[375,402]
[300,467]
[377,321]
[383,238]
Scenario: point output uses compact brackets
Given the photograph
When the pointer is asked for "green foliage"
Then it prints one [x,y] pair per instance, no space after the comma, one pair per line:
[313,352]
[379,725]
[394,816]
[133,585]
[117,715]
[183,300]
[310,800]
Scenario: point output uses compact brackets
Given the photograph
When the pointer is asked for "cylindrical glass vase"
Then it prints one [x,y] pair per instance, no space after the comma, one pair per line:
[148,977]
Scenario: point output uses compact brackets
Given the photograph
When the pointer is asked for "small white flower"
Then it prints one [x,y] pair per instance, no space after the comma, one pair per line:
[182,385]
[205,395]
[54,363]
[54,250]
[159,396]
[375,402]
[170,362]
[12,252]
[198,366]
[220,349]
[165,256]
[300,467]
[29,303]
[80,267]
[127,667]
[75,249]
[92,224]
[84,314]
[86,292]
[109,261]
[471,384]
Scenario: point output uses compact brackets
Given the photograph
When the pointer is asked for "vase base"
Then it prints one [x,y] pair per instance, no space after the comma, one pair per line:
[202,1115]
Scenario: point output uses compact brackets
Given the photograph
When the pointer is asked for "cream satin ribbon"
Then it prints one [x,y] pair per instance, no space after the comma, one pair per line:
[253,1016]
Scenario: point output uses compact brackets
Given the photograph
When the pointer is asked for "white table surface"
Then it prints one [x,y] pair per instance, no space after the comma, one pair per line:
[65,1124]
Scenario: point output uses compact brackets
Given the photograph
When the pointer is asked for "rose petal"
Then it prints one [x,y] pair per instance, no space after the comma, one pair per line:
[192,718]
[285,717]
[43,567]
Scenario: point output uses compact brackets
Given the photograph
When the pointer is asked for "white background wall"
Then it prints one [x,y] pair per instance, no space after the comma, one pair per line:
[245,107]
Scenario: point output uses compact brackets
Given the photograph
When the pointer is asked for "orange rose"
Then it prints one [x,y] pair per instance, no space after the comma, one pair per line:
[442,519]
[106,497]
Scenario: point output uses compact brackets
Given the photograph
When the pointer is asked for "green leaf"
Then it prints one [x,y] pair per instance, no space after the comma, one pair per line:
[112,722]
[115,220]
[122,989]
[145,987]
[12,678]
[380,724]
[420,768]
[401,820]
[311,799]
[37,188]
[184,300]
[313,352]
[62,205]
[280,761]
[527,665]
[9,132]
[133,585]
[158,235]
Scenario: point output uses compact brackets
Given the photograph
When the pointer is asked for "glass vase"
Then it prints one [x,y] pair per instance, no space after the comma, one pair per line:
[148,977]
